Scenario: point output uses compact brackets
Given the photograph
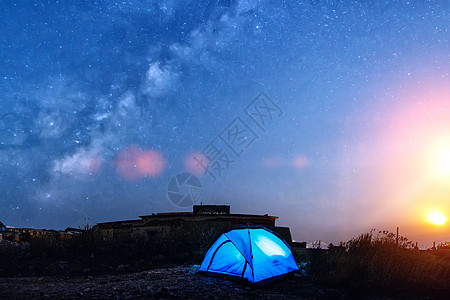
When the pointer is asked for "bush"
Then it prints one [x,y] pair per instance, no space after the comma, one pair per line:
[379,262]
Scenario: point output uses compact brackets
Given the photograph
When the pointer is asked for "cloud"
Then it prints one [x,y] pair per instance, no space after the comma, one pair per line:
[160,79]
[127,105]
[218,41]
[209,42]
[167,7]
[245,6]
[84,161]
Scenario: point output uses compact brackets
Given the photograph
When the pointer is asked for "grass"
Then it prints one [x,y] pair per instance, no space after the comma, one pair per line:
[372,263]
[377,263]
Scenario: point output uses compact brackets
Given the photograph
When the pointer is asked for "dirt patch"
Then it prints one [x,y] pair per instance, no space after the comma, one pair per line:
[163,283]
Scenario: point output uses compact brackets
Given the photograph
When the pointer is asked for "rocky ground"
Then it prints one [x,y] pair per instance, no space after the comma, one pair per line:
[172,283]
[163,283]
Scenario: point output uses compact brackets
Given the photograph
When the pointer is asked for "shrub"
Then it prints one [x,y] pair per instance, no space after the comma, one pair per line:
[380,262]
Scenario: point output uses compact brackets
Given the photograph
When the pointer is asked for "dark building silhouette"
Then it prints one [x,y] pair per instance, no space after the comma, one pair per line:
[204,224]
[13,234]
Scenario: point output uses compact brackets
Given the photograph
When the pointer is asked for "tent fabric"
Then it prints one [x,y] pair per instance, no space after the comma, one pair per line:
[253,254]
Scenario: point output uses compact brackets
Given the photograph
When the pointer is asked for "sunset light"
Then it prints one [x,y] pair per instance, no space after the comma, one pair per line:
[436,217]
[441,160]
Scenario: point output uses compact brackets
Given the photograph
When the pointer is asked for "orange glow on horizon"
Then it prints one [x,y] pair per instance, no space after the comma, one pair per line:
[410,163]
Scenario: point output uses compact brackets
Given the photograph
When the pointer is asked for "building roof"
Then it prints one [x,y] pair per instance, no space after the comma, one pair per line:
[204,213]
[190,214]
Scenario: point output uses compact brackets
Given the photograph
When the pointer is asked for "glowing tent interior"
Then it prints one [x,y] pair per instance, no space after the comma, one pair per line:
[256,255]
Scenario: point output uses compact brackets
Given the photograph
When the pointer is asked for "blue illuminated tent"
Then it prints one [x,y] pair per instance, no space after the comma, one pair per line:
[253,254]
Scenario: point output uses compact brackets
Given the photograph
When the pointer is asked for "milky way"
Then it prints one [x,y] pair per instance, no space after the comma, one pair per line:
[102,104]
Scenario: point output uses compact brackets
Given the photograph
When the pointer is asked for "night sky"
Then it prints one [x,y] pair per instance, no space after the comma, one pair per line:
[332,115]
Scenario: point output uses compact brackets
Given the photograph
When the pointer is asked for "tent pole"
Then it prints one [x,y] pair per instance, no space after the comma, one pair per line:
[251,255]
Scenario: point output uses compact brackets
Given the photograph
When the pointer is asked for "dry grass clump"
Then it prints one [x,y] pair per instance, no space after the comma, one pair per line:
[380,262]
